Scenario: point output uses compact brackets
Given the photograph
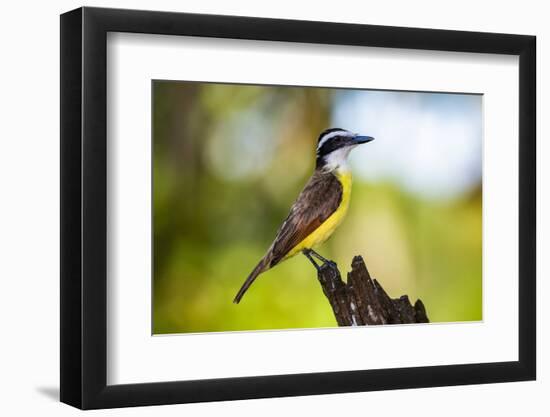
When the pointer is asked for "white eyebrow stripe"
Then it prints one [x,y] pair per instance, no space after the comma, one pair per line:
[332,135]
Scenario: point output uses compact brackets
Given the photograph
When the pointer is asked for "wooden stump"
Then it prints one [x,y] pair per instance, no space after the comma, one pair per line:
[362,300]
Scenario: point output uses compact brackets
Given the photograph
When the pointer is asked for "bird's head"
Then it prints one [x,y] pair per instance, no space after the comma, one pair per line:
[334,146]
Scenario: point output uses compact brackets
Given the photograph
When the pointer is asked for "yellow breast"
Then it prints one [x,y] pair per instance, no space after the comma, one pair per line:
[323,232]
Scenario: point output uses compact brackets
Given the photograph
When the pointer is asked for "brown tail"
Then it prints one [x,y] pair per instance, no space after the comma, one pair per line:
[261,267]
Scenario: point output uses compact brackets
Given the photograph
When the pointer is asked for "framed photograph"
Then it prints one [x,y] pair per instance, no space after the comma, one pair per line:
[257,208]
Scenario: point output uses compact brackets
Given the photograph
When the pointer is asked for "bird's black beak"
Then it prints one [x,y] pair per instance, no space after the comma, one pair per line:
[358,139]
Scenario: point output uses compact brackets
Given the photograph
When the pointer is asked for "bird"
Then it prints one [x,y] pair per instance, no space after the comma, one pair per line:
[319,208]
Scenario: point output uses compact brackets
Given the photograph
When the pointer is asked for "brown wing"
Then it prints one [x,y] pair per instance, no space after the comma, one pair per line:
[319,199]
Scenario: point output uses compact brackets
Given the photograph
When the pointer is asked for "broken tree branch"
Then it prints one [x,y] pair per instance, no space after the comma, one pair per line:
[363,301]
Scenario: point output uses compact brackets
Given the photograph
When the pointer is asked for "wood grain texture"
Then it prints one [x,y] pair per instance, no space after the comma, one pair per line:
[362,300]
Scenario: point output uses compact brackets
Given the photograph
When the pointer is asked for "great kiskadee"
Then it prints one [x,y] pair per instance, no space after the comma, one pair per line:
[320,207]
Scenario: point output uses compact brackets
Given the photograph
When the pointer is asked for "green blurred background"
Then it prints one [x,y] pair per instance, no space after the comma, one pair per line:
[229,160]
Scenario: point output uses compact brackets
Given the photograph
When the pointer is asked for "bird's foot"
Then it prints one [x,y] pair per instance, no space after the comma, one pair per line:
[310,253]
[322,259]
[307,253]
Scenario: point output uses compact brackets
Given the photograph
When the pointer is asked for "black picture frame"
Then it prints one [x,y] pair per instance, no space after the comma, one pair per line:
[84,207]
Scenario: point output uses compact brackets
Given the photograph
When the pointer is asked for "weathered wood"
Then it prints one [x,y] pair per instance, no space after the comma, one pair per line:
[363,301]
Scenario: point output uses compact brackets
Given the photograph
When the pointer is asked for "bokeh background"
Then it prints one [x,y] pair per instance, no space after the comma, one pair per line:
[229,160]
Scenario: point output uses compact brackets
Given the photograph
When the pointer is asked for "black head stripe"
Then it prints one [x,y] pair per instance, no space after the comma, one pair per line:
[332,139]
[329,141]
[328,131]
[331,145]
